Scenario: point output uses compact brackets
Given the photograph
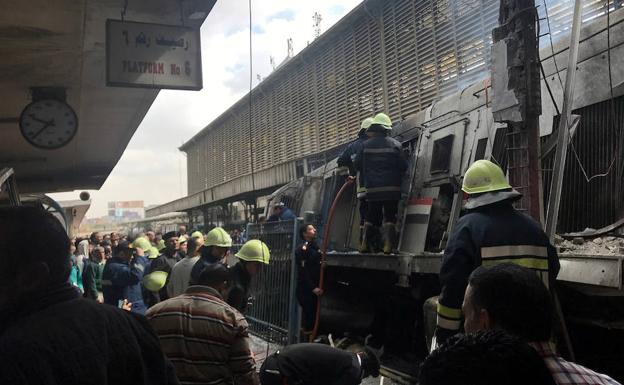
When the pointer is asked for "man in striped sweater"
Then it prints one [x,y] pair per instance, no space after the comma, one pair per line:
[206,339]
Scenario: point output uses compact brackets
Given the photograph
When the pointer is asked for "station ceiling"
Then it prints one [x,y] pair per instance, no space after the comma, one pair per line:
[61,43]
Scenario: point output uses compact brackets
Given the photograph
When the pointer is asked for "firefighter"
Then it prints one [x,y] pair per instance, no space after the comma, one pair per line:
[216,248]
[490,232]
[251,257]
[308,259]
[316,364]
[382,164]
[346,160]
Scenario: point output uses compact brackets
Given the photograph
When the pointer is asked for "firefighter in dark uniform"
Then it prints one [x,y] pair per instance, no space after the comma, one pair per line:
[490,232]
[318,364]
[382,164]
[252,256]
[308,259]
[346,160]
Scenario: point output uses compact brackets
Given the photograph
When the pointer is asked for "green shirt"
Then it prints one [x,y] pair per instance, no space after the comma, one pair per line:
[93,279]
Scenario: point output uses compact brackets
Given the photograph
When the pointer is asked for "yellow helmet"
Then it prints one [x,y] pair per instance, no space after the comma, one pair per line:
[141,243]
[366,123]
[197,234]
[155,280]
[218,237]
[152,252]
[182,239]
[383,120]
[485,184]
[254,251]
[160,245]
[484,176]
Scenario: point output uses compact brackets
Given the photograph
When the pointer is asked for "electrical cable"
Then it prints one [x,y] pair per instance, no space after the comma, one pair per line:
[552,46]
[539,59]
[612,105]
[251,149]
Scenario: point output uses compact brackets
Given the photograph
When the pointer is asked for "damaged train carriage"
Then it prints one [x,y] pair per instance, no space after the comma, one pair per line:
[383,295]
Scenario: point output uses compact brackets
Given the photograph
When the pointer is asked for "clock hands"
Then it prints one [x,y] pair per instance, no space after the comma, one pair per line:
[46,125]
[34,117]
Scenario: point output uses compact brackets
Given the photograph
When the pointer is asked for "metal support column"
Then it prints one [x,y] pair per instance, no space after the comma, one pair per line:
[554,198]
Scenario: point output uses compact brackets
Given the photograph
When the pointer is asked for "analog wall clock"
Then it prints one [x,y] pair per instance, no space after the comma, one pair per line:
[48,123]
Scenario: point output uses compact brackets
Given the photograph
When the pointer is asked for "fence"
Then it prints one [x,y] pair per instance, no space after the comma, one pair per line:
[274,312]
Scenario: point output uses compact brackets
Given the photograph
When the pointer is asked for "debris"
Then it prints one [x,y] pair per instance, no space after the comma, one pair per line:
[607,245]
[578,241]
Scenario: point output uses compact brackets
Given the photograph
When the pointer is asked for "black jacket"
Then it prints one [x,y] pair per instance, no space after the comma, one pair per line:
[238,295]
[349,154]
[486,236]
[382,164]
[58,338]
[164,262]
[308,259]
[203,262]
[315,364]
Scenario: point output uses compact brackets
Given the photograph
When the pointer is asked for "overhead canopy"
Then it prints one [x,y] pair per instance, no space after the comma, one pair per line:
[61,43]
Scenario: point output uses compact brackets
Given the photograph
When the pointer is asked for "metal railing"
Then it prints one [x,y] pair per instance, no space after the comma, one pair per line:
[274,312]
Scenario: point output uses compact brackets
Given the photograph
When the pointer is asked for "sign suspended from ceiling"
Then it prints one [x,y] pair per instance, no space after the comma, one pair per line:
[152,56]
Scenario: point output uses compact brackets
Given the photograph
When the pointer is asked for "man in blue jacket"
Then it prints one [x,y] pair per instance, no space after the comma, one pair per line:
[122,277]
[281,213]
[346,160]
[382,164]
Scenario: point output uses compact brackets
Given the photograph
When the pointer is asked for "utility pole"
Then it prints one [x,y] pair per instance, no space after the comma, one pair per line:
[516,98]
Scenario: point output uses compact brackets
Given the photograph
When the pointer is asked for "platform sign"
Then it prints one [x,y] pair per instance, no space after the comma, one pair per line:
[152,56]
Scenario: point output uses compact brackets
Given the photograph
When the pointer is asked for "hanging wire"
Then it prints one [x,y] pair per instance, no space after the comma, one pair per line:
[612,118]
[539,59]
[552,46]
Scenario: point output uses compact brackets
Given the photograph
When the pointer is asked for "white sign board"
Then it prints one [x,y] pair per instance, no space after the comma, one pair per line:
[152,56]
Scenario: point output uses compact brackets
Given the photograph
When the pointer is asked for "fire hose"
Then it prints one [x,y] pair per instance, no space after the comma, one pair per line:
[330,219]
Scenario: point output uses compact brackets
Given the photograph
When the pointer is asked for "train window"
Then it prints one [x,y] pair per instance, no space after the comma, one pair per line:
[441,157]
[481,145]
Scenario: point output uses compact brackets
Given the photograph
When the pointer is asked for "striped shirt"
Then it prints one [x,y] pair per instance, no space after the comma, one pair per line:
[206,339]
[569,373]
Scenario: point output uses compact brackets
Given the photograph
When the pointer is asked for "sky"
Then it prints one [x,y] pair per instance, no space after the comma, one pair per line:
[152,168]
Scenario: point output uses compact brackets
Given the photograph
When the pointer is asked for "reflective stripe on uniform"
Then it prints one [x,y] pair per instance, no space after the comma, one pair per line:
[448,324]
[107,282]
[379,150]
[513,251]
[383,189]
[140,267]
[449,312]
[530,263]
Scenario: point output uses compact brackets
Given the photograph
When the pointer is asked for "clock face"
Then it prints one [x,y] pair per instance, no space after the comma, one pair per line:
[48,123]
